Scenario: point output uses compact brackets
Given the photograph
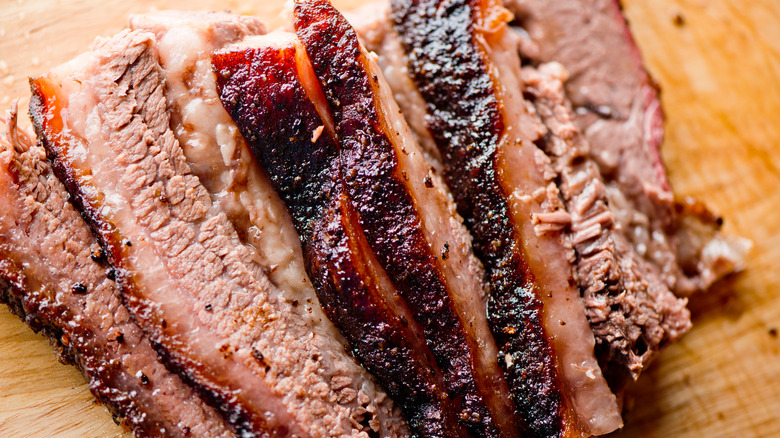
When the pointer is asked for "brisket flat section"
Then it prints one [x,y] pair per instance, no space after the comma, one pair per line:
[262,87]
[52,275]
[463,61]
[182,269]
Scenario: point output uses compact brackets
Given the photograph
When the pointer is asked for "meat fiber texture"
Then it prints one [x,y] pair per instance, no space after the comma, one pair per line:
[667,245]
[635,246]
[418,250]
[184,257]
[630,309]
[617,107]
[56,280]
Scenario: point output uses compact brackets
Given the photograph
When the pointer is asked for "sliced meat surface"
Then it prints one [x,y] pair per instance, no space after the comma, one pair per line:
[616,100]
[628,297]
[189,280]
[630,308]
[375,29]
[218,155]
[408,220]
[266,88]
[400,216]
[618,109]
[53,275]
[463,59]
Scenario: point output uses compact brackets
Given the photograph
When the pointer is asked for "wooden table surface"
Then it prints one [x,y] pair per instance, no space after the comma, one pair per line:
[718,62]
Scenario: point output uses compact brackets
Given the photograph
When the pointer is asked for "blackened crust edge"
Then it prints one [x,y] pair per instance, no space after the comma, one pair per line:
[387,211]
[261,91]
[447,65]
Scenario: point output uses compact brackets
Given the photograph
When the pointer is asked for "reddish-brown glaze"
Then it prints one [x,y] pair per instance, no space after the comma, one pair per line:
[262,91]
[388,214]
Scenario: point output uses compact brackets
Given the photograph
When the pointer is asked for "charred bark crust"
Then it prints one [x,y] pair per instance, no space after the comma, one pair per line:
[262,92]
[447,65]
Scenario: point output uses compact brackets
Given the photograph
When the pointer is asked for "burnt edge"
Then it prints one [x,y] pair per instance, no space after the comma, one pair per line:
[277,125]
[386,209]
[111,242]
[447,66]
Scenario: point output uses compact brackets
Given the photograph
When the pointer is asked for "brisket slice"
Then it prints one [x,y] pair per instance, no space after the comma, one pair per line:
[631,310]
[219,156]
[190,282]
[464,63]
[52,274]
[263,89]
[617,107]
[616,100]
[376,175]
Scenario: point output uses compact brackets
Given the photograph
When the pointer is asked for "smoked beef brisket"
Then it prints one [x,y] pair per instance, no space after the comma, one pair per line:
[360,192]
[635,248]
[53,274]
[462,228]
[196,285]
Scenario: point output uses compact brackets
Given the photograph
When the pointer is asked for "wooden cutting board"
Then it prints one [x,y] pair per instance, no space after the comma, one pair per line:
[718,62]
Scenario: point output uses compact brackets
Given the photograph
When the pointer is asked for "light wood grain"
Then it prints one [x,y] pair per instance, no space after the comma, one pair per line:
[720,74]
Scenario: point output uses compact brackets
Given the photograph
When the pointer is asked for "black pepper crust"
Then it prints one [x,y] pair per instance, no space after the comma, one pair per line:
[77,345]
[48,127]
[386,209]
[451,72]
[339,266]
[261,91]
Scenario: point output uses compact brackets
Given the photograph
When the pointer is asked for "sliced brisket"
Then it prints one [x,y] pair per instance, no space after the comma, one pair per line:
[55,278]
[189,280]
[617,107]
[464,63]
[407,219]
[266,89]
[628,298]
[218,155]
[631,310]
[213,328]
[374,187]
